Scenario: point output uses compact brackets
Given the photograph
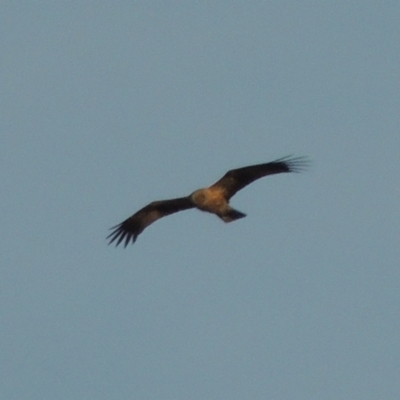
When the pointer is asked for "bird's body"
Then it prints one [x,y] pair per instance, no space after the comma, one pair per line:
[213,199]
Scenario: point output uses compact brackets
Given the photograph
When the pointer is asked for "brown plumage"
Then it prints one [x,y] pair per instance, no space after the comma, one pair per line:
[214,199]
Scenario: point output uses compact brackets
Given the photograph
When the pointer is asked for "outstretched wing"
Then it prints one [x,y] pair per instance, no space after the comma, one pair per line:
[236,179]
[130,229]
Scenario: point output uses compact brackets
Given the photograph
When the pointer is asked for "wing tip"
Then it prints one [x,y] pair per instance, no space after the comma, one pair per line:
[119,234]
[294,164]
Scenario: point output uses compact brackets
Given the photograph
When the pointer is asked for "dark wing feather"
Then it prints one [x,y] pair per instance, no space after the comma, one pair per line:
[130,229]
[236,179]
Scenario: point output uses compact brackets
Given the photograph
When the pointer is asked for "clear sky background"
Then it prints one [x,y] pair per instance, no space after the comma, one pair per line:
[106,106]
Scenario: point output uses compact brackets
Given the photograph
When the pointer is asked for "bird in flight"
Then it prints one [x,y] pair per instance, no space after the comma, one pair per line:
[213,199]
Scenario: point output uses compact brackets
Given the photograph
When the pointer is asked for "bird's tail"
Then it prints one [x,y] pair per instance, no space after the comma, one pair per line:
[231,215]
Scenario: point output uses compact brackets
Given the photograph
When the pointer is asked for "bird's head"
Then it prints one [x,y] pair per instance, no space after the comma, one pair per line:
[198,196]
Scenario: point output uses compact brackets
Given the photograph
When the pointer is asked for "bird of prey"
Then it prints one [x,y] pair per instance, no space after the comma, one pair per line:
[213,199]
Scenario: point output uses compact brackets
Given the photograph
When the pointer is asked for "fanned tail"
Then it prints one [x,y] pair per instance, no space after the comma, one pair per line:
[231,215]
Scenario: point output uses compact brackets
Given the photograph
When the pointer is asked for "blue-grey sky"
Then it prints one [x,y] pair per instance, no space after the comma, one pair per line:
[106,106]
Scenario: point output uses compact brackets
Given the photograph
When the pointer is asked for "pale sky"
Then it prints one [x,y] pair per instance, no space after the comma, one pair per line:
[107,106]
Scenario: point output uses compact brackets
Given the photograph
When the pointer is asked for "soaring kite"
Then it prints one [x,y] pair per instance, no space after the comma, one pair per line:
[214,199]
